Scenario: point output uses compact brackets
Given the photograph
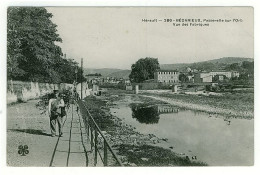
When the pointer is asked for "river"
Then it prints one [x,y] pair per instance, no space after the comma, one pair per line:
[216,140]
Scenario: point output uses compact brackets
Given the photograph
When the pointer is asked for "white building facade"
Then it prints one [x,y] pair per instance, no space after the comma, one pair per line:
[166,76]
[207,77]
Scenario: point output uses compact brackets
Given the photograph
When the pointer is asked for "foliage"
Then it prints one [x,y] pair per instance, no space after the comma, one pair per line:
[249,67]
[30,44]
[246,67]
[246,72]
[234,67]
[183,78]
[145,113]
[144,69]
[32,53]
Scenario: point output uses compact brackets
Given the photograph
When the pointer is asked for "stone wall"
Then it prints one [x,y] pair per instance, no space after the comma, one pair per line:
[24,91]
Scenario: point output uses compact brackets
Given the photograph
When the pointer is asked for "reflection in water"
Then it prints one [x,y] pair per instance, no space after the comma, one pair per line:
[162,109]
[214,139]
[149,114]
[145,114]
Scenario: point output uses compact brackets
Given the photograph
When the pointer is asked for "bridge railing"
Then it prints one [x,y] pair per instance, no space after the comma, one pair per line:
[99,144]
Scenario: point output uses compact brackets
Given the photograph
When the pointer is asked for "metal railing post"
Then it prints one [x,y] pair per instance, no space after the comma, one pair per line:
[105,153]
[91,138]
[92,126]
[87,124]
[95,158]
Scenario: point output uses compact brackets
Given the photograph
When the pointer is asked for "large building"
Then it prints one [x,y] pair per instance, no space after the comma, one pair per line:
[166,76]
[207,77]
[228,74]
[202,77]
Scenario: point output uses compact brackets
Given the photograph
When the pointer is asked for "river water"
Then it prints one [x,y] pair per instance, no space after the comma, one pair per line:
[216,140]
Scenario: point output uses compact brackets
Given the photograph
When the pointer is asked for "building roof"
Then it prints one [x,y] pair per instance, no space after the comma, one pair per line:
[166,70]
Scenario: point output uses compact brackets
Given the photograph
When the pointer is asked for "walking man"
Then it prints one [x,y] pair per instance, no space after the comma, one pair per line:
[55,105]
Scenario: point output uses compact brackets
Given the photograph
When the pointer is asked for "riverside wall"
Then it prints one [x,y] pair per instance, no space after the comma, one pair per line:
[24,91]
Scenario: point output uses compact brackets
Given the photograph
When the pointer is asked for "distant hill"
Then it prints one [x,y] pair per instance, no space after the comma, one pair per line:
[230,60]
[103,71]
[216,64]
[178,66]
[120,74]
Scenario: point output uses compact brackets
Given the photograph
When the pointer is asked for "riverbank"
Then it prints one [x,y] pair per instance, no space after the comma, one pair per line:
[133,148]
[236,104]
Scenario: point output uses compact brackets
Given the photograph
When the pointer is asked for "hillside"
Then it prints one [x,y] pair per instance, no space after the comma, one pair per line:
[178,66]
[216,64]
[104,71]
[230,60]
[121,74]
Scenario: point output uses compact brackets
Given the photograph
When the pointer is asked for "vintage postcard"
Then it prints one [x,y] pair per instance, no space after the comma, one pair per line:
[130,86]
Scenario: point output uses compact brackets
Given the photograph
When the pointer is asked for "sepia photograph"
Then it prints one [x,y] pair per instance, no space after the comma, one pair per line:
[130,86]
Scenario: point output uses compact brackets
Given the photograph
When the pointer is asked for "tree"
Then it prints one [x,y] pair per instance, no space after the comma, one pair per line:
[249,67]
[31,49]
[234,67]
[183,78]
[144,69]
[145,114]
[66,69]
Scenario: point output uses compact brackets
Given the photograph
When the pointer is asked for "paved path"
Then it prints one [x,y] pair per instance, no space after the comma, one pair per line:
[26,126]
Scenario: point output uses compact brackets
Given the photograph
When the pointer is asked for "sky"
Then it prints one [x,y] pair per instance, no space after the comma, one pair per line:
[109,37]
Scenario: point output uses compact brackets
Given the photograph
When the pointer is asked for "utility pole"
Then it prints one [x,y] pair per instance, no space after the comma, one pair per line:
[76,72]
[81,78]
